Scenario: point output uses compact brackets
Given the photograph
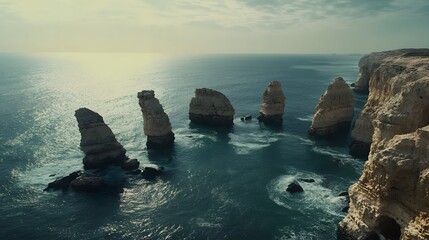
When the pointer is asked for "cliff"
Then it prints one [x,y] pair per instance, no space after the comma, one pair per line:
[156,123]
[273,103]
[392,195]
[211,107]
[385,75]
[98,141]
[334,111]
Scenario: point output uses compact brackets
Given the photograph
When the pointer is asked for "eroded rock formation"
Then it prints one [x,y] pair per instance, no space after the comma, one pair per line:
[391,77]
[211,107]
[273,104]
[157,125]
[334,111]
[391,197]
[98,141]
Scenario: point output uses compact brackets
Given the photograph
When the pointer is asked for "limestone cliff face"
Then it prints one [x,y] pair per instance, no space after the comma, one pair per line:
[391,198]
[334,110]
[156,123]
[273,104]
[211,107]
[98,141]
[387,75]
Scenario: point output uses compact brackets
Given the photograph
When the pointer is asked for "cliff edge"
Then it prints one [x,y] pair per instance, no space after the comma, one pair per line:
[387,75]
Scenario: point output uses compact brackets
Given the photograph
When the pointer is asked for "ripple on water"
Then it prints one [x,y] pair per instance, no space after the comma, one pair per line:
[342,158]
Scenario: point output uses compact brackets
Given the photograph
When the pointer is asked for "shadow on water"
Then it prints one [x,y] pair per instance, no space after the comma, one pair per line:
[277,128]
[341,138]
[162,156]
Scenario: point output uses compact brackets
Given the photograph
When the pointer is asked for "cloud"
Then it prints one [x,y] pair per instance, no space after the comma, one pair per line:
[250,14]
[211,25]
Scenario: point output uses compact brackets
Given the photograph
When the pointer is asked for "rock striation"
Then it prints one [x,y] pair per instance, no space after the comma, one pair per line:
[391,198]
[334,111]
[157,125]
[273,104]
[211,107]
[389,77]
[98,141]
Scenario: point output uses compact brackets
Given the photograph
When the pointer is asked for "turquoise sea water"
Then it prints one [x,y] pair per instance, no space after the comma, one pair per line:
[218,184]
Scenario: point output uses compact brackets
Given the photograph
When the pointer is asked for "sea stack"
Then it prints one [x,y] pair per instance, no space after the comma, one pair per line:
[157,125]
[273,104]
[334,112]
[391,198]
[211,107]
[385,75]
[98,141]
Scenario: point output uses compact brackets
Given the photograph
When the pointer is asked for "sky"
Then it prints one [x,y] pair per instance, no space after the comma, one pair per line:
[213,26]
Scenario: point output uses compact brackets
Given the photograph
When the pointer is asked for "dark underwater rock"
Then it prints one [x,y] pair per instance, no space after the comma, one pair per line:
[294,187]
[94,183]
[151,171]
[63,183]
[130,164]
[246,118]
[308,180]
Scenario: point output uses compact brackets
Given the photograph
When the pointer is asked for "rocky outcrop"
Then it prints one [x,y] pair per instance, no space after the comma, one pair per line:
[98,141]
[390,75]
[391,197]
[273,104]
[211,107]
[334,111]
[157,125]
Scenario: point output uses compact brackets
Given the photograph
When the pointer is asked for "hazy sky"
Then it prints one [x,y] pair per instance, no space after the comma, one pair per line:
[218,26]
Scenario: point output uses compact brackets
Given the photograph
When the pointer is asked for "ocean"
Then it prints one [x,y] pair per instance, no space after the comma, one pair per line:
[217,183]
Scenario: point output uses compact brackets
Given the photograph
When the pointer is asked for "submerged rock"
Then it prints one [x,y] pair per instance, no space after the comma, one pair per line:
[98,141]
[157,125]
[334,112]
[130,165]
[63,183]
[273,104]
[211,107]
[94,183]
[151,171]
[308,180]
[246,118]
[294,187]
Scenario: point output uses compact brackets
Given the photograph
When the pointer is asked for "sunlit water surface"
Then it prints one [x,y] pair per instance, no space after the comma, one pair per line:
[218,184]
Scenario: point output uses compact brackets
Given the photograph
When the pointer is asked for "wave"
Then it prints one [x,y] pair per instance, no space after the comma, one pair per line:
[315,196]
[192,139]
[307,118]
[246,143]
